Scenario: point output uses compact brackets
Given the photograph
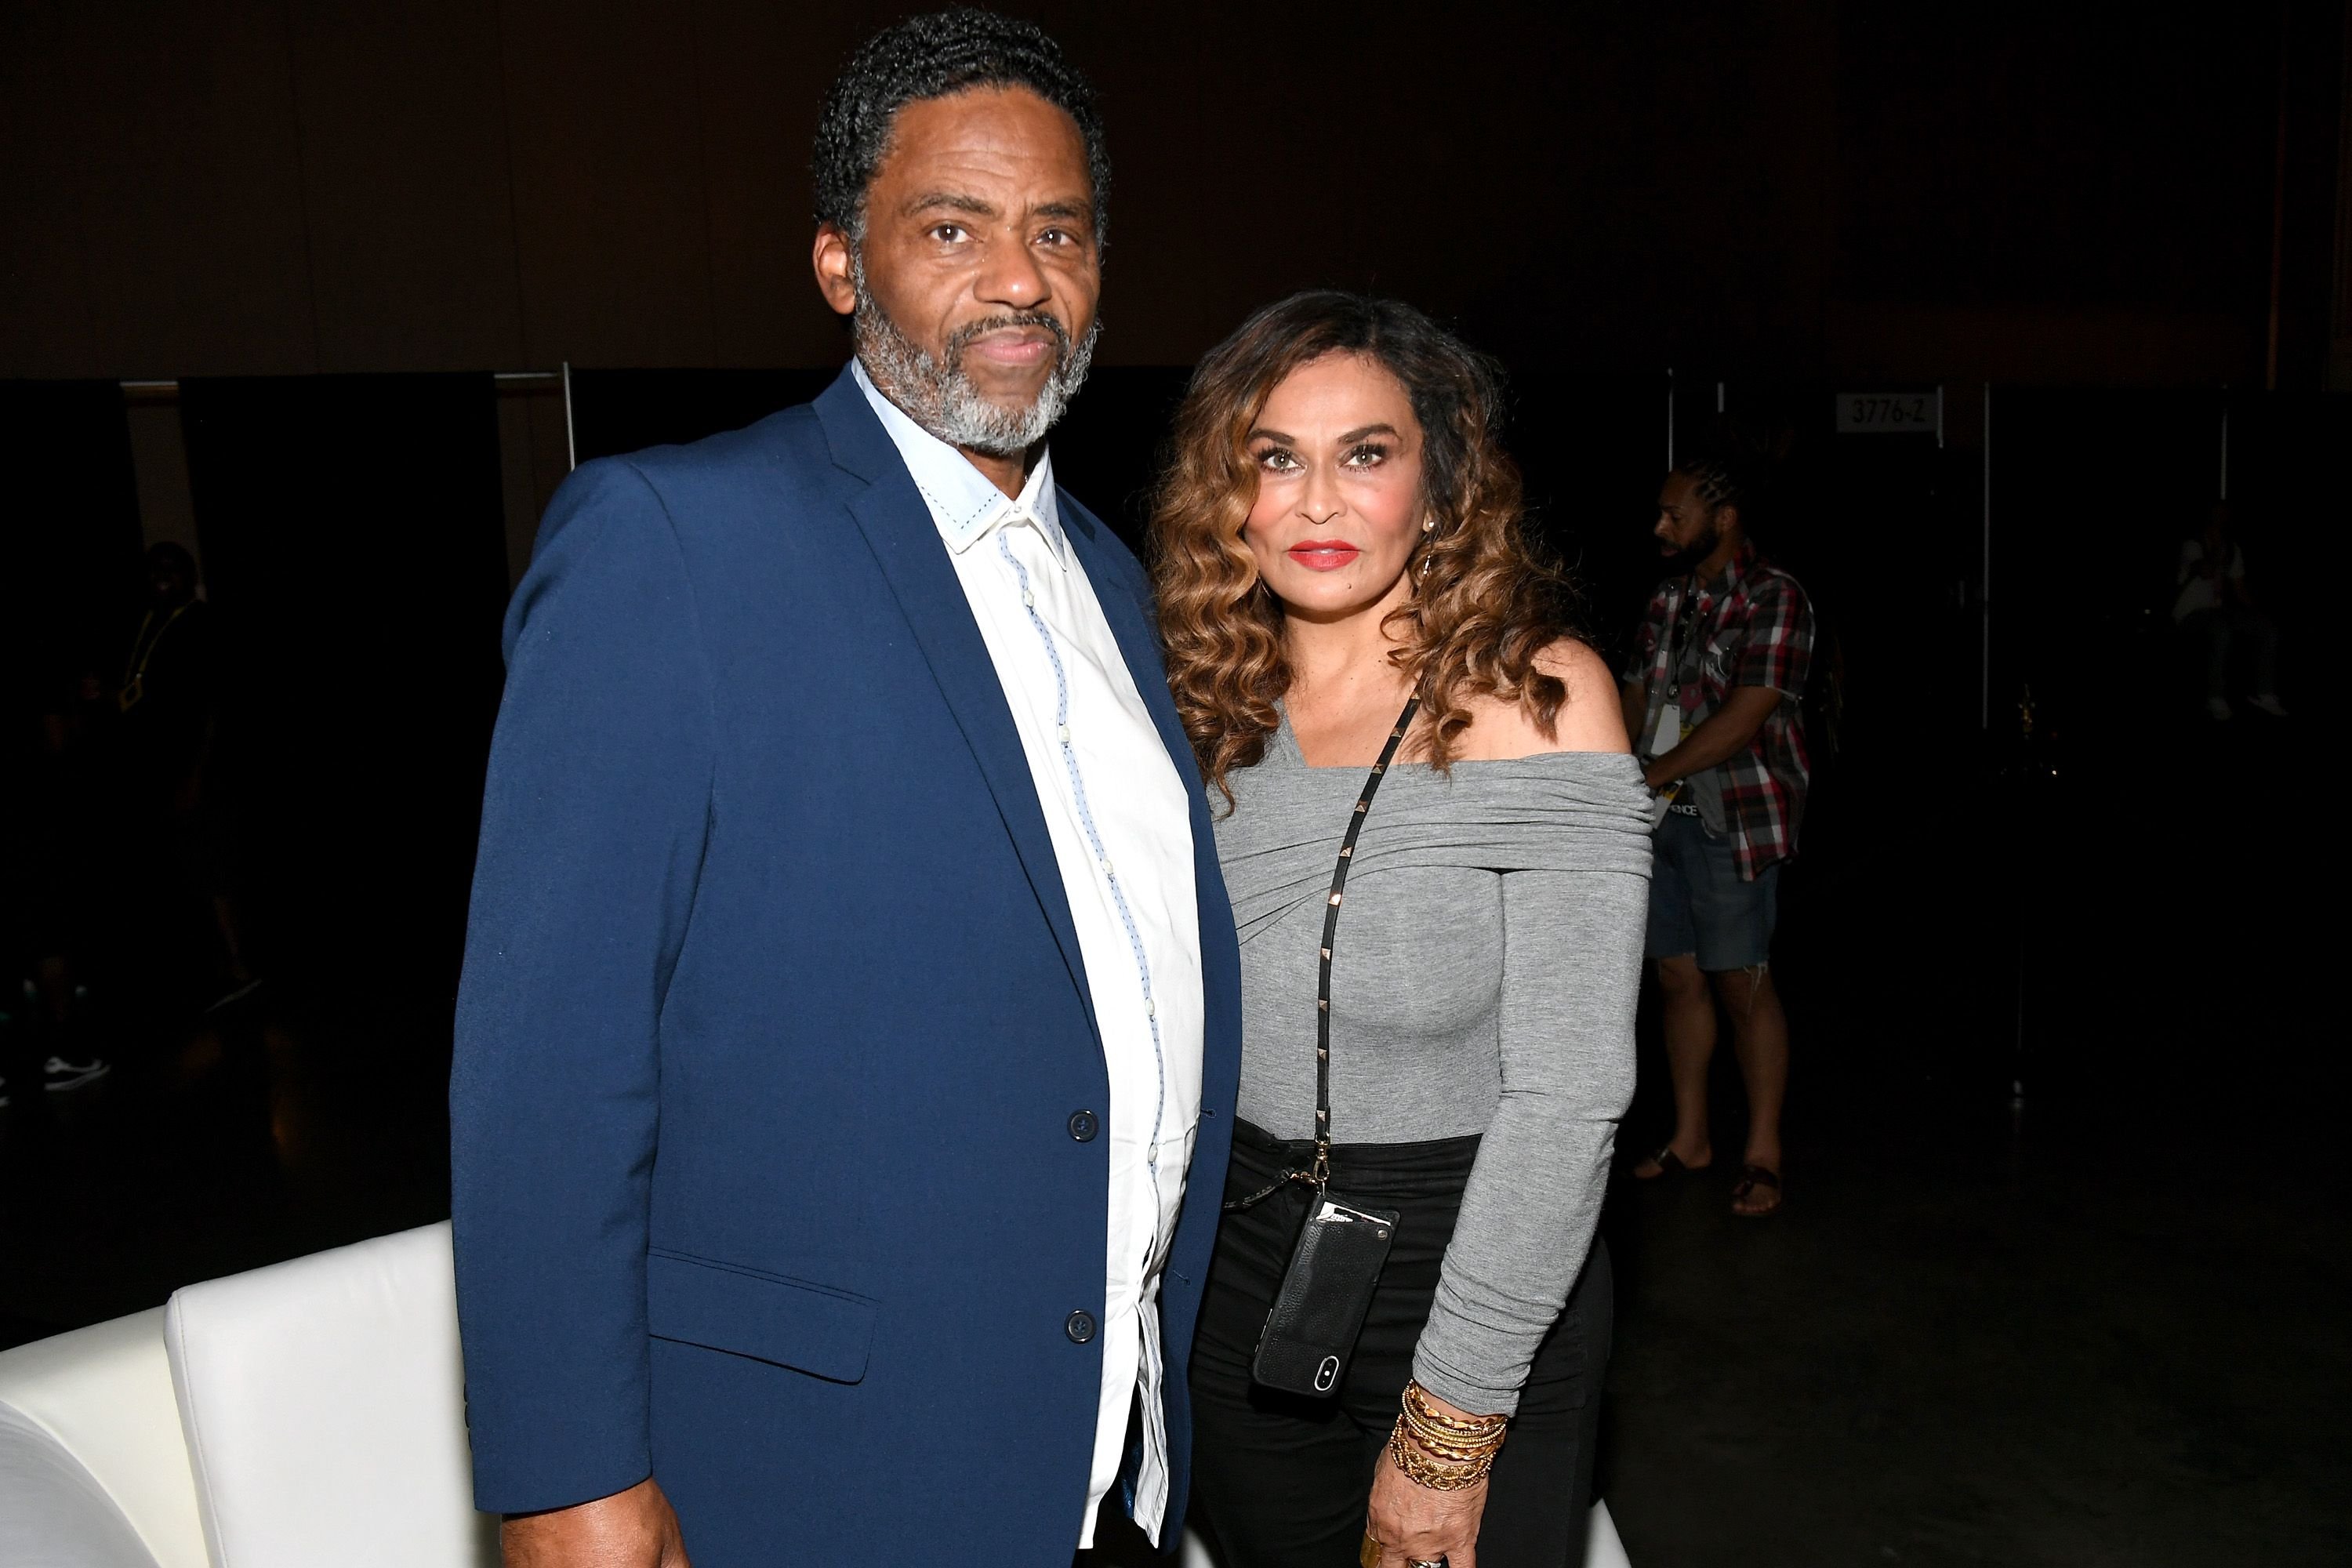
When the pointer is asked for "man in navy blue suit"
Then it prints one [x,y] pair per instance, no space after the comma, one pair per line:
[847,1045]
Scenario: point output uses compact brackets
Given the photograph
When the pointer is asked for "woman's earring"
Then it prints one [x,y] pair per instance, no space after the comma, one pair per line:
[1428,526]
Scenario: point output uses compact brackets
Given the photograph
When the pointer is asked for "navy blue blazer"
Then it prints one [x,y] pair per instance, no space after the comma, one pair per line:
[773,1029]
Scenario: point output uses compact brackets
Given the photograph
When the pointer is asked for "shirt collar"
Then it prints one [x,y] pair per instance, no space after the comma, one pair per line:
[965,507]
[1735,572]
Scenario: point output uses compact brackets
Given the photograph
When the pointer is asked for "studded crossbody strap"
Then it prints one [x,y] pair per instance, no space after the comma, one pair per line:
[1319,1174]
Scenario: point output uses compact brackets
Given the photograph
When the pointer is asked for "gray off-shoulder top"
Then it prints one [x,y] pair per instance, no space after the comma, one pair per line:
[1482,980]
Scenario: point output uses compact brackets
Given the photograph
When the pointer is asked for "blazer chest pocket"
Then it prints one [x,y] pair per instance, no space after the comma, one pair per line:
[824,1333]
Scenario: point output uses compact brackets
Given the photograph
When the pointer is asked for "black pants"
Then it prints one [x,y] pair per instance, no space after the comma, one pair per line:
[1283,1481]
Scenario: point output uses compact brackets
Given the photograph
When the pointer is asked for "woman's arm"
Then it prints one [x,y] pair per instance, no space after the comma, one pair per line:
[1571,976]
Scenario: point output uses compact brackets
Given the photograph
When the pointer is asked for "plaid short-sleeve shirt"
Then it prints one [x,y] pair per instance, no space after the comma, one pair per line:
[1751,626]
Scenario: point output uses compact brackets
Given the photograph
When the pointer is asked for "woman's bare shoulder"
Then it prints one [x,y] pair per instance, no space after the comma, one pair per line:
[1590,720]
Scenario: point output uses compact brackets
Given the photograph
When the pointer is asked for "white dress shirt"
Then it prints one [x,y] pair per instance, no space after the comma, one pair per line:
[1120,822]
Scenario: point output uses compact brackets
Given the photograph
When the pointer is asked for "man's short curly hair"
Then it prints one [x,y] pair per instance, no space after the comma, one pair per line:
[938,55]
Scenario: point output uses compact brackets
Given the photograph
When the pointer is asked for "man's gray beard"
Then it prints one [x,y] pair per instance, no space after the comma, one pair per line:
[937,395]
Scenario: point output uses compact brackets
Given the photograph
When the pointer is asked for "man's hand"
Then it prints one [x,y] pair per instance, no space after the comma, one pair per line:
[635,1529]
[1726,733]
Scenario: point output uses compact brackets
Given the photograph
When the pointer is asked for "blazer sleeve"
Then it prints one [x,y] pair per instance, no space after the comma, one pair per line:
[593,822]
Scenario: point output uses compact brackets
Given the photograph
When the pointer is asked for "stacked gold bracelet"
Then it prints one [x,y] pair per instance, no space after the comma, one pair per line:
[1444,1453]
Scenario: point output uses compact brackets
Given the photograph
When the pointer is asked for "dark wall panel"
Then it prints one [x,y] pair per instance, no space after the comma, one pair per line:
[2287,461]
[762,72]
[69,543]
[1592,452]
[616,411]
[353,532]
[229,186]
[180,126]
[2092,493]
[403,114]
[603,117]
[45,322]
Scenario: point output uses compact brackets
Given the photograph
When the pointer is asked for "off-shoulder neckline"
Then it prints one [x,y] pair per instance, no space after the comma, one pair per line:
[1289,738]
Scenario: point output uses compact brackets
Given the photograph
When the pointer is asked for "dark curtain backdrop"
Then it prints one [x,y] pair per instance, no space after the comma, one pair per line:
[69,550]
[2093,492]
[2287,492]
[616,411]
[1593,451]
[353,531]
[69,541]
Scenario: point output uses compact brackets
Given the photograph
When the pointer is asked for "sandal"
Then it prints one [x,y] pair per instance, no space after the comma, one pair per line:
[1667,1161]
[1750,1178]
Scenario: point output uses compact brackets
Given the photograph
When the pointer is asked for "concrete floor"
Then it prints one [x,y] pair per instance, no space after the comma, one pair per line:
[2104,1331]
[1985,1347]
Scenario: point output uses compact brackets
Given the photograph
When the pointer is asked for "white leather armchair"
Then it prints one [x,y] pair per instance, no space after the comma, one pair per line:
[306,1414]
[92,1470]
[323,1404]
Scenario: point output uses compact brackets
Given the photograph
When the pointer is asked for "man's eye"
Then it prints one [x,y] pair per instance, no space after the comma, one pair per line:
[950,233]
[1057,237]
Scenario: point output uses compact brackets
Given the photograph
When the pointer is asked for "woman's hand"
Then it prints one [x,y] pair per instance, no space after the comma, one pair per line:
[1414,1523]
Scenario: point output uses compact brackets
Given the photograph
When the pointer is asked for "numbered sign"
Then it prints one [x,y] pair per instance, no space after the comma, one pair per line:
[1890,413]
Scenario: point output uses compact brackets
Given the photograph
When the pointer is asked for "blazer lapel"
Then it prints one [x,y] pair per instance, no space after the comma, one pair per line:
[906,543]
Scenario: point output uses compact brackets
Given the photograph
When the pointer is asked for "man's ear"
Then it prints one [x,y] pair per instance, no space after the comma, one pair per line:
[1726,517]
[830,258]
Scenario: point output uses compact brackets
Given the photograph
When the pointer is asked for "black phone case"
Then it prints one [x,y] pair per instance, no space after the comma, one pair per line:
[1319,1309]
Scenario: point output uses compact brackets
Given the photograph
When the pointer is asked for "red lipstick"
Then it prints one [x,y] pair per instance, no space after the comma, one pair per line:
[1323,554]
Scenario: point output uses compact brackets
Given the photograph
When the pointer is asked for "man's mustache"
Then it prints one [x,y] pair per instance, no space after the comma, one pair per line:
[971,332]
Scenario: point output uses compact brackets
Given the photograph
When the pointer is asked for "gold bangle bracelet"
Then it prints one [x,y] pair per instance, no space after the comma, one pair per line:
[1451,1443]
[1445,1448]
[1453,1433]
[1417,1404]
[1423,1471]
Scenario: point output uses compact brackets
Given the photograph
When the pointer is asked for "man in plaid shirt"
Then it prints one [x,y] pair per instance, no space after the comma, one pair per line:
[1711,697]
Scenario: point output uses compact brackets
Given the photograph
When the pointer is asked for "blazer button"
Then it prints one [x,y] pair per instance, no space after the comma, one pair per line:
[1083,1126]
[1080,1328]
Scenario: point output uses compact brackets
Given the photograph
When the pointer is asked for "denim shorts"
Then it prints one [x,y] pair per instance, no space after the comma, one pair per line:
[1698,904]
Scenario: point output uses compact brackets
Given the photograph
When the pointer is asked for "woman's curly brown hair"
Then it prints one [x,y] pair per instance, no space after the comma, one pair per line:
[1484,604]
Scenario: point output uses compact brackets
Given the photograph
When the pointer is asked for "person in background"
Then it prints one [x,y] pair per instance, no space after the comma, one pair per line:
[2213,607]
[168,746]
[60,867]
[1711,695]
[1341,532]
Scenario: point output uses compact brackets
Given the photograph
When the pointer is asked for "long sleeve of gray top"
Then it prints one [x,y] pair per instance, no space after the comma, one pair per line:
[1572,974]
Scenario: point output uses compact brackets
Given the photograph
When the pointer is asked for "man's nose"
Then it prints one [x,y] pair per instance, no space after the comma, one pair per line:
[1013,277]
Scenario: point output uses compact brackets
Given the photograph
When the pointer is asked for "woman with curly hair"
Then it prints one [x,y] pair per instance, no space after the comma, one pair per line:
[1352,609]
